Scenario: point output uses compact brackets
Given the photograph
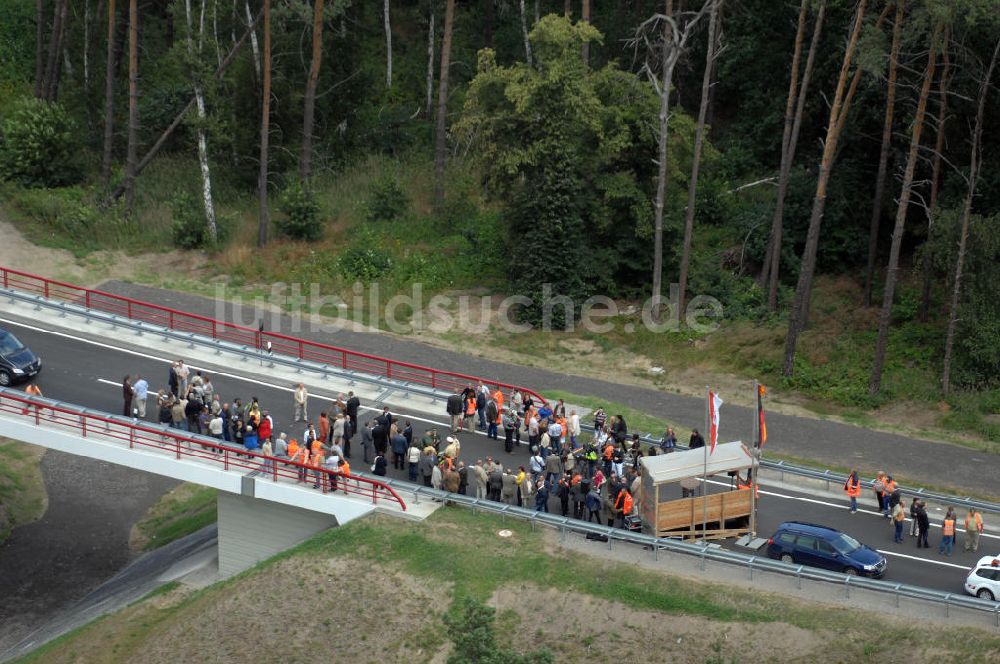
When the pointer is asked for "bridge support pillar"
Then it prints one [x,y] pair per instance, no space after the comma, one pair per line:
[252,530]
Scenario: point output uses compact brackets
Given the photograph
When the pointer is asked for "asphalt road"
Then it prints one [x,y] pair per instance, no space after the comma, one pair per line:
[927,462]
[78,371]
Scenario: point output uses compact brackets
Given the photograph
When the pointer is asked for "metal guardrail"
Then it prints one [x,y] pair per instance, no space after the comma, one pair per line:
[302,349]
[53,415]
[707,552]
[252,352]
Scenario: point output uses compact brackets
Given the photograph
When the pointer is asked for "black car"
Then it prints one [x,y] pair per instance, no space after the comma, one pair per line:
[17,362]
[819,546]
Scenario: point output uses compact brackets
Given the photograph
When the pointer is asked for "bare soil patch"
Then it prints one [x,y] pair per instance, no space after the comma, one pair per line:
[18,253]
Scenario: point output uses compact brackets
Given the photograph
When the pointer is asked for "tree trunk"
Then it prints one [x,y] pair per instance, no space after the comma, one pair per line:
[109,99]
[429,109]
[206,175]
[153,151]
[974,166]
[54,70]
[804,288]
[254,47]
[388,43]
[883,159]
[585,17]
[40,61]
[663,118]
[488,21]
[793,86]
[942,118]
[86,48]
[778,222]
[875,382]
[265,126]
[699,136]
[440,138]
[568,8]
[308,115]
[524,36]
[215,32]
[131,167]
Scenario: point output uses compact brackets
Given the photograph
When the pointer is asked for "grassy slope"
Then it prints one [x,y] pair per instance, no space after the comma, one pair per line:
[256,616]
[182,511]
[22,490]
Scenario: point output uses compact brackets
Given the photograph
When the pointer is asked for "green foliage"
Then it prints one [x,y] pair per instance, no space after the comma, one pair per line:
[365,260]
[386,201]
[189,229]
[39,145]
[566,150]
[471,624]
[301,220]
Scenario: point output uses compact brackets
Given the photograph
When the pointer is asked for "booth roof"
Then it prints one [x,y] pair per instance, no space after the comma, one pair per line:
[690,463]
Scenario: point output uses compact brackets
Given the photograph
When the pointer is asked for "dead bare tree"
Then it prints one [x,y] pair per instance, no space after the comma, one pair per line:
[673,40]
[975,163]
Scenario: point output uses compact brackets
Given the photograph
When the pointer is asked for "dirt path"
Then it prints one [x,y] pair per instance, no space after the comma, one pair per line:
[18,253]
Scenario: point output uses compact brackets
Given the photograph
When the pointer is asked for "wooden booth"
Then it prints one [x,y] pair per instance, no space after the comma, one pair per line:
[665,513]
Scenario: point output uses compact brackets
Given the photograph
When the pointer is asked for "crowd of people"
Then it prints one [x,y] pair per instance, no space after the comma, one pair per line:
[594,479]
[190,403]
[889,500]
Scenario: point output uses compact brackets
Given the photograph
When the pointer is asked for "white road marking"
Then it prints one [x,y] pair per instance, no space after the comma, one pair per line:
[428,421]
[923,560]
[842,507]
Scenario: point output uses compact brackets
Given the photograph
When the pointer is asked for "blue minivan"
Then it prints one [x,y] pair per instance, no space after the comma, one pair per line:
[17,362]
[819,546]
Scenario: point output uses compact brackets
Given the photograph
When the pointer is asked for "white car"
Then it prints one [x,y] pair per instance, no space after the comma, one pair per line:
[984,579]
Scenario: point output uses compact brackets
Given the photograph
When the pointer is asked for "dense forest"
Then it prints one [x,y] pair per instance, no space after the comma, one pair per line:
[743,149]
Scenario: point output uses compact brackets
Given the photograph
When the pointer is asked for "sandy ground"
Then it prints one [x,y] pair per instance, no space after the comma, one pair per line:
[17,253]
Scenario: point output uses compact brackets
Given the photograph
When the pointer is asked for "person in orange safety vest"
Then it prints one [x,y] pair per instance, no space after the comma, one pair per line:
[853,489]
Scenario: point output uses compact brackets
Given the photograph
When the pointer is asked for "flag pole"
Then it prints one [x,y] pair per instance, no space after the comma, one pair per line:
[755,452]
[704,475]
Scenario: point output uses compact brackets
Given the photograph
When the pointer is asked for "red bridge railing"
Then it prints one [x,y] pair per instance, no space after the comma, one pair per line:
[313,351]
[180,444]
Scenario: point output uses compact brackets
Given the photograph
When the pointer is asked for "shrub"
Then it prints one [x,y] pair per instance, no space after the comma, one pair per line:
[365,260]
[39,145]
[302,219]
[386,200]
[188,229]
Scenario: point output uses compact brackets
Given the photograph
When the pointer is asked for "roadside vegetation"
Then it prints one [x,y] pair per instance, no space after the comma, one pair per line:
[22,490]
[181,511]
[329,596]
[385,182]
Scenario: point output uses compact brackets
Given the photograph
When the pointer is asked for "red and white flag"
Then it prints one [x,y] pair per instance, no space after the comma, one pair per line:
[714,403]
